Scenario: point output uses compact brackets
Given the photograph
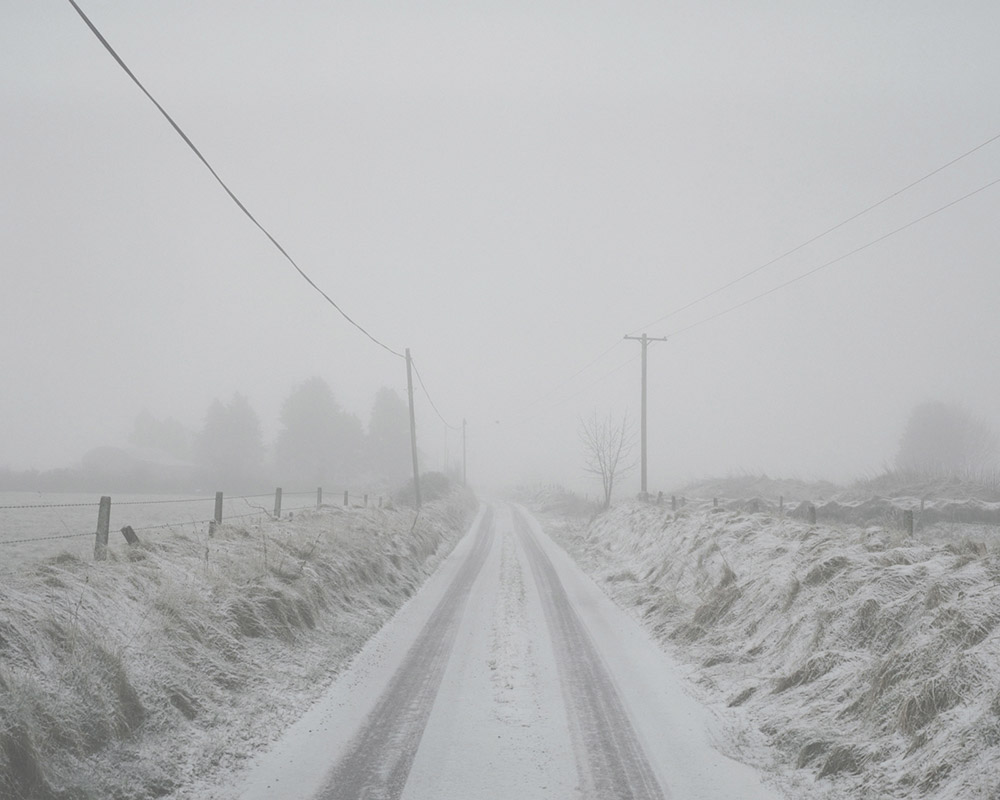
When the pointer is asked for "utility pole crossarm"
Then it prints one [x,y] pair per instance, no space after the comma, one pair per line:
[645,343]
[647,338]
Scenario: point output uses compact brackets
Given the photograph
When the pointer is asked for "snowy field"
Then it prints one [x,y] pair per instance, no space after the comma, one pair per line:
[865,659]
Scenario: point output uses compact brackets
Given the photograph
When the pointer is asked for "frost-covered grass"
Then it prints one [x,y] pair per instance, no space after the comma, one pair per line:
[177,658]
[869,660]
[955,486]
[747,486]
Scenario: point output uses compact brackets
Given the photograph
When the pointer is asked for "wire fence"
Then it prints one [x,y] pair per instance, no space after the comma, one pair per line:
[25,516]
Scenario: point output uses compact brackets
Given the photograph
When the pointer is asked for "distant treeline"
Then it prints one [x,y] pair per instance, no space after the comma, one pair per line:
[79,479]
[319,443]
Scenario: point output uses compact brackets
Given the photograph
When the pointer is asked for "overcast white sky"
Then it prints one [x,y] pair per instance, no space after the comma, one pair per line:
[507,189]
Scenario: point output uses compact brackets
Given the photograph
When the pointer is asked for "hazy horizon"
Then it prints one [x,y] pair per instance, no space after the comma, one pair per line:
[507,190]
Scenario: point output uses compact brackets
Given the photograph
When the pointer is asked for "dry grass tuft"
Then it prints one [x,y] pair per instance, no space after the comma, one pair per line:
[843,758]
[932,698]
[815,667]
[821,573]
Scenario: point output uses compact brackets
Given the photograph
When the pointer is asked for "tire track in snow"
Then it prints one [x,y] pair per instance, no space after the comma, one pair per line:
[612,762]
[377,762]
[512,666]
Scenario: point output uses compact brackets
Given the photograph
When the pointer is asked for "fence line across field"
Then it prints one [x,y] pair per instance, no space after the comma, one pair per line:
[102,533]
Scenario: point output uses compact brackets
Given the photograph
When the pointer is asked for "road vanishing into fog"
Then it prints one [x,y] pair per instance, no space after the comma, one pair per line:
[509,675]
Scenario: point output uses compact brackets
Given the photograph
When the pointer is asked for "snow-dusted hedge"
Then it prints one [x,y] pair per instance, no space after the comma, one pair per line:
[869,660]
[133,677]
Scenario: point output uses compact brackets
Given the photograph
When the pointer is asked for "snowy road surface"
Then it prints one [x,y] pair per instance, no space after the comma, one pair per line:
[509,675]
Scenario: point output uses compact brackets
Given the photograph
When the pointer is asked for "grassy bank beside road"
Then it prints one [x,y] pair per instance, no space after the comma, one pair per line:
[179,657]
[868,660]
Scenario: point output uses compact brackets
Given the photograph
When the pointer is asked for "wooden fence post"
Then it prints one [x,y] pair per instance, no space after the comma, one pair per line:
[319,497]
[908,522]
[812,513]
[673,502]
[781,504]
[277,503]
[217,519]
[715,502]
[103,523]
[345,497]
[129,535]
[366,501]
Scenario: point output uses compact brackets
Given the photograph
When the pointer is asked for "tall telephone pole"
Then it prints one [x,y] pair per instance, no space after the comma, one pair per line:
[645,340]
[413,428]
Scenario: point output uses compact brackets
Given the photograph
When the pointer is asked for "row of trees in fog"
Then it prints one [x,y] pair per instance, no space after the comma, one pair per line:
[318,443]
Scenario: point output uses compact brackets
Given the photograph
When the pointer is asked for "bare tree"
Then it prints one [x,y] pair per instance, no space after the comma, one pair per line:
[607,449]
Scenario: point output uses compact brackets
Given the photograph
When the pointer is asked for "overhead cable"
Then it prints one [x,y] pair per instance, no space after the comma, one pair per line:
[235,199]
[819,236]
[582,390]
[567,380]
[838,259]
[430,399]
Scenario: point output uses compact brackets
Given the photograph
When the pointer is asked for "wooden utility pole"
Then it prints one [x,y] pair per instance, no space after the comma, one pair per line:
[413,427]
[645,340]
[463,454]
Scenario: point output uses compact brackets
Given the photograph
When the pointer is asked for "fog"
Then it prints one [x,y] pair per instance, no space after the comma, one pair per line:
[506,189]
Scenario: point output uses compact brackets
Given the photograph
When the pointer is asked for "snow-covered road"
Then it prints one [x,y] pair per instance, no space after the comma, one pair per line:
[509,675]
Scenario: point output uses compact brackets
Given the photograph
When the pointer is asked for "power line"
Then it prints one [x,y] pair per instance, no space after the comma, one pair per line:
[566,381]
[431,400]
[838,259]
[819,236]
[585,388]
[235,199]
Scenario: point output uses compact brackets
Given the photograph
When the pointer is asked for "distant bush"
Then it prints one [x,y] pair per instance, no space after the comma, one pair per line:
[940,438]
[433,486]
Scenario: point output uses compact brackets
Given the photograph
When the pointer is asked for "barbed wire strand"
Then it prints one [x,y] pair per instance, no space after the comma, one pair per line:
[50,505]
[45,538]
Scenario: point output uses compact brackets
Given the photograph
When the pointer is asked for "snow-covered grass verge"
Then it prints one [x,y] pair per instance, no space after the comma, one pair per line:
[178,658]
[868,660]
